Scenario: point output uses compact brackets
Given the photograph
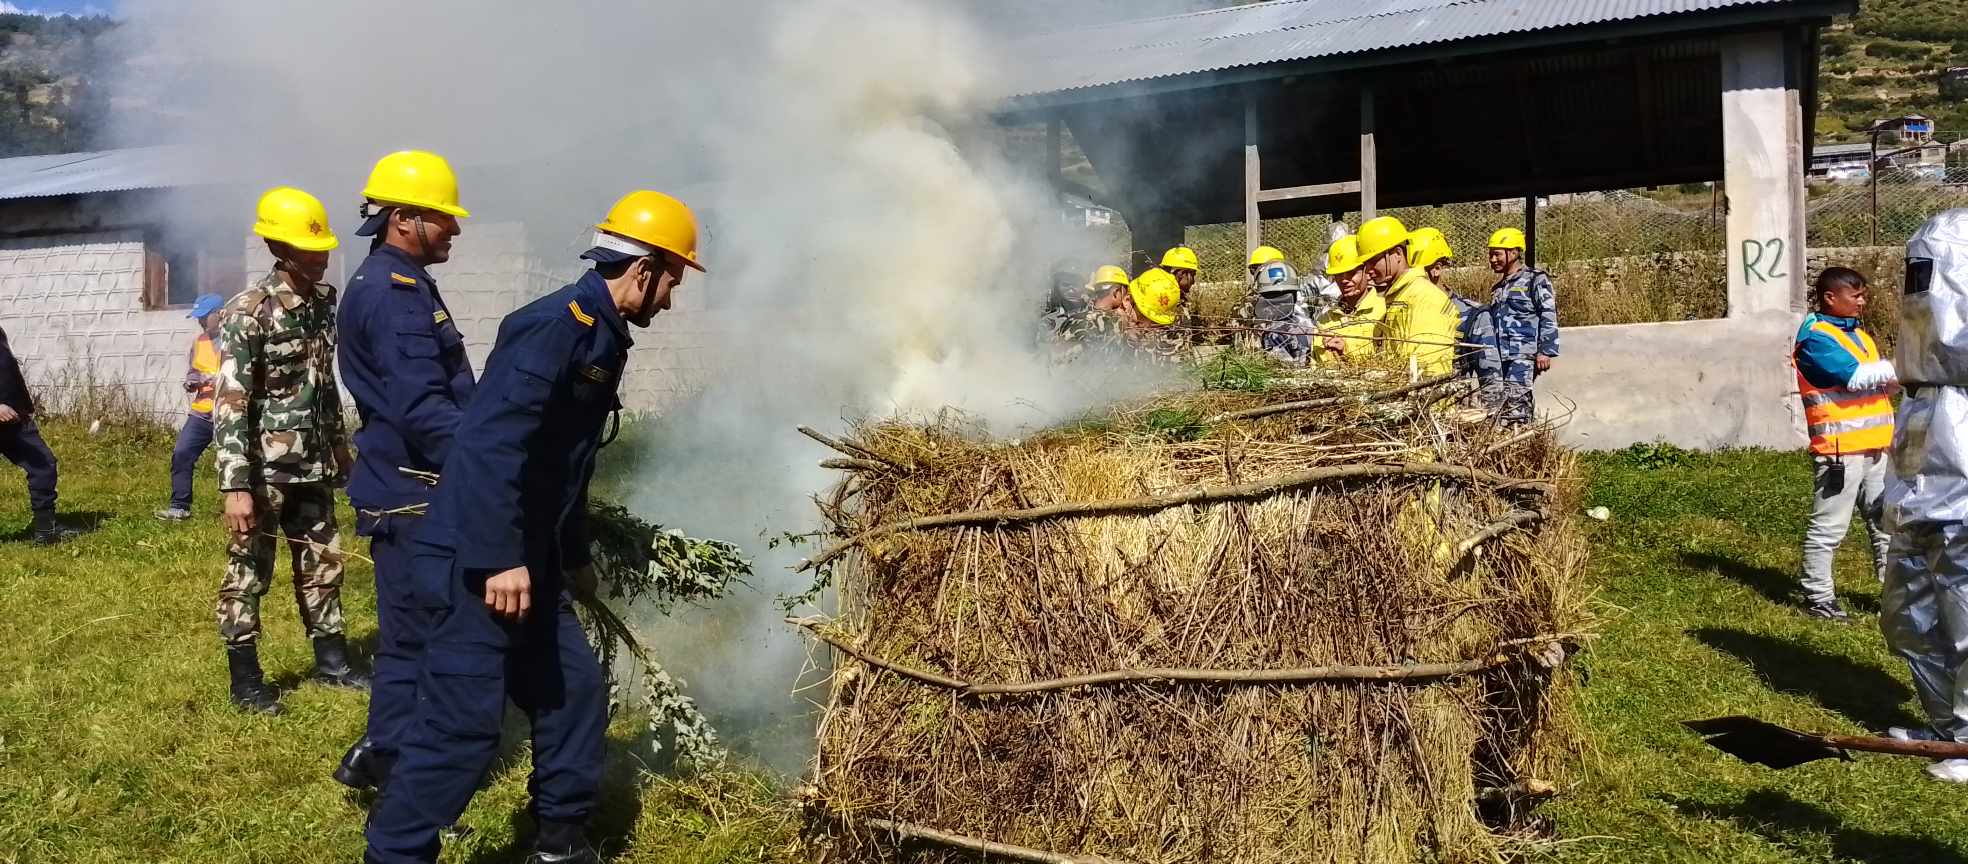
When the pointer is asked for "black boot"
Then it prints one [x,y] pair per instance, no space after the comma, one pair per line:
[47,531]
[562,843]
[364,767]
[331,664]
[249,688]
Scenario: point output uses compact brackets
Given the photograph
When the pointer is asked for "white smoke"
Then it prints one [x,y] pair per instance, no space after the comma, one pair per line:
[871,253]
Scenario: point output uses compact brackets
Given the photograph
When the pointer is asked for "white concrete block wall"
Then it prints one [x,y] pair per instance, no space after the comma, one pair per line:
[72,306]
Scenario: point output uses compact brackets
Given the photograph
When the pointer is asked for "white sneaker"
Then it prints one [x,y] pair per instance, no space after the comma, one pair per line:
[1912,733]
[1951,770]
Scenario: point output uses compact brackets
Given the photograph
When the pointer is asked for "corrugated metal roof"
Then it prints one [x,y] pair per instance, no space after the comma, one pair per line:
[99,171]
[1283,30]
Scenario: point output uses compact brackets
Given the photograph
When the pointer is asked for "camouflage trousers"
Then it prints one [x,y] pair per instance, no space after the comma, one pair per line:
[305,514]
[1507,387]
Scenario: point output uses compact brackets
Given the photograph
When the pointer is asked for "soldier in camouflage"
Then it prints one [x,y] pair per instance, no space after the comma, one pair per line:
[1519,330]
[282,447]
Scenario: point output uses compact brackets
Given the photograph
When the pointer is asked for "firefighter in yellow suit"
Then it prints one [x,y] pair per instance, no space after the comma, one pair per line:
[1421,321]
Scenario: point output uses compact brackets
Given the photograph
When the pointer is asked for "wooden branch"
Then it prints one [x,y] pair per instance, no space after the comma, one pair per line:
[923,675]
[1154,503]
[982,847]
[1260,677]
[1514,519]
[1315,190]
[849,450]
[855,464]
[1514,440]
[1330,401]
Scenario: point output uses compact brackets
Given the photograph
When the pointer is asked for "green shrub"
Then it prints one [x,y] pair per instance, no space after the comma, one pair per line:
[1897,50]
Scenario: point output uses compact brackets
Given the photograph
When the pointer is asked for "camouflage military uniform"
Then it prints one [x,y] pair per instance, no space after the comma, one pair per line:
[278,424]
[1520,323]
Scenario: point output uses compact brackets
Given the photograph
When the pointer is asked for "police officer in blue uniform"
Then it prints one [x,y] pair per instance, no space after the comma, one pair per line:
[403,361]
[504,550]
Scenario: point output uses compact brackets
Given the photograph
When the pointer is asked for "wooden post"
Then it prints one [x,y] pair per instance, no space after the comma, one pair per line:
[1253,178]
[1055,172]
[1369,172]
[1530,229]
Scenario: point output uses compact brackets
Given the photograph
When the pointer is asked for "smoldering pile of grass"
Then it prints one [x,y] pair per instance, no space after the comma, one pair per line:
[1377,570]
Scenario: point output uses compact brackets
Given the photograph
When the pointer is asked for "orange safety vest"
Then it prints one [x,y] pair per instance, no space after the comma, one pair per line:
[1843,421]
[204,358]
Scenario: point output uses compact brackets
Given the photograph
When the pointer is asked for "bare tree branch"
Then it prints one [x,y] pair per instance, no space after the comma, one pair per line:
[1154,503]
[1515,519]
[1504,654]
[846,449]
[982,847]
[1330,401]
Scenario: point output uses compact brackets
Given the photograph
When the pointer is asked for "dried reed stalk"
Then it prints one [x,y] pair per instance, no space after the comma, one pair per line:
[984,847]
[1333,401]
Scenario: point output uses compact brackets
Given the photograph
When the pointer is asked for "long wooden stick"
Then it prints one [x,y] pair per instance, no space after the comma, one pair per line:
[923,675]
[1512,520]
[982,847]
[1329,401]
[849,450]
[855,464]
[1154,503]
[1300,675]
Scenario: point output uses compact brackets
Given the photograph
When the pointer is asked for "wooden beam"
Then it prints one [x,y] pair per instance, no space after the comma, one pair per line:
[1530,230]
[1369,160]
[1316,190]
[1253,177]
[1055,171]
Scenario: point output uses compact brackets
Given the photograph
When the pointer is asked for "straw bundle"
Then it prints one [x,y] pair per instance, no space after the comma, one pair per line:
[1203,629]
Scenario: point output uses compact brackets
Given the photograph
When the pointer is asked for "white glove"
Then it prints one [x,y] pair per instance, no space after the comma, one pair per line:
[1878,373]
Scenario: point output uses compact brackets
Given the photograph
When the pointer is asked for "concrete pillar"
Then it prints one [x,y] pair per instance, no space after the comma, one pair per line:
[1253,178]
[1763,174]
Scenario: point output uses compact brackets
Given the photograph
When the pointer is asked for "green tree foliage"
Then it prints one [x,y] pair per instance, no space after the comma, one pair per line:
[1923,20]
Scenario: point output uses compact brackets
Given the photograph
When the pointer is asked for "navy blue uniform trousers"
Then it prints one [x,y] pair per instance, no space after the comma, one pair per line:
[402,627]
[472,663]
[20,442]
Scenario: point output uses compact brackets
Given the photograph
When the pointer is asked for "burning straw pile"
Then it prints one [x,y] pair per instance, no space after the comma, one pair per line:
[1319,622]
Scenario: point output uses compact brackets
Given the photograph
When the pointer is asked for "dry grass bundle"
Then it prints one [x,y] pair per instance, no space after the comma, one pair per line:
[1335,633]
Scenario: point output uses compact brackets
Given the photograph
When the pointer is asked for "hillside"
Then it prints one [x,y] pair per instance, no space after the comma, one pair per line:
[1887,61]
[50,98]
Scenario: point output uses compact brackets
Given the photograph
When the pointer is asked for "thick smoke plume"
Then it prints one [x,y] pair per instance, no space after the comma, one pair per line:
[871,253]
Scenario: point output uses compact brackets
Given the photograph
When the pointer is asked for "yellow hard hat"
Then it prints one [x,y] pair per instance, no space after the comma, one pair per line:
[1507,238]
[1156,295]
[1266,255]
[415,178]
[653,220]
[1344,256]
[293,217]
[1108,274]
[1427,246]
[1379,235]
[1181,258]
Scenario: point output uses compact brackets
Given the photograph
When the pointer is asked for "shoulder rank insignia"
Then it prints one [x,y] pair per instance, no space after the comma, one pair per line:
[595,374]
[401,279]
[583,317]
[440,316]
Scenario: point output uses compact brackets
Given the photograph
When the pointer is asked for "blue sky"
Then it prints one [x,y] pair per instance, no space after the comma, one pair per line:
[58,7]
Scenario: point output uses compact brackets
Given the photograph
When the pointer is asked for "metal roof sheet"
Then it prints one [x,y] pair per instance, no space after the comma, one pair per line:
[98,171]
[1283,30]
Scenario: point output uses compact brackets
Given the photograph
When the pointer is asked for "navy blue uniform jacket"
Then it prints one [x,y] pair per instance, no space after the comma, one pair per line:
[403,361]
[515,488]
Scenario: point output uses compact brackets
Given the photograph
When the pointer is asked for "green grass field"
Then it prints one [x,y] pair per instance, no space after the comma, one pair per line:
[117,744]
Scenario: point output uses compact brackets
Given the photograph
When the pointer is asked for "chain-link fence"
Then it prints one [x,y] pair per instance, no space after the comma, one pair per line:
[1630,255]
[1853,206]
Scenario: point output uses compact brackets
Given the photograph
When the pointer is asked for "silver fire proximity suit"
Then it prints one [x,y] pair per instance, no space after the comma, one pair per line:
[1924,611]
